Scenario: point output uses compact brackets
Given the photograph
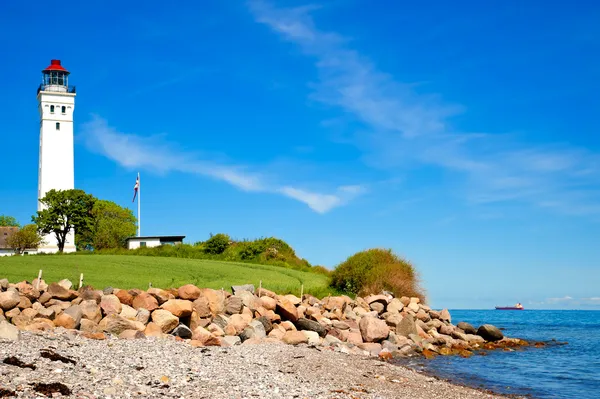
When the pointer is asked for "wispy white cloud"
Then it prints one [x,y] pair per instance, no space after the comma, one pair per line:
[566,298]
[407,127]
[156,154]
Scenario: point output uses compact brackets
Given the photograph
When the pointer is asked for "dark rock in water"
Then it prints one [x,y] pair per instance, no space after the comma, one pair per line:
[246,287]
[310,325]
[490,333]
[266,323]
[466,327]
[182,331]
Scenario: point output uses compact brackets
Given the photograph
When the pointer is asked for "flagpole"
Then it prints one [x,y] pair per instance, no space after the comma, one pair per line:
[139,193]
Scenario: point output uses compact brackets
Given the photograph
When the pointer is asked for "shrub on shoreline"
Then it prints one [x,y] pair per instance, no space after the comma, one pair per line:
[375,270]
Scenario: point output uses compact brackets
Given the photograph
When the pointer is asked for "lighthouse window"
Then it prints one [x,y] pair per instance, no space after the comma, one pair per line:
[63,109]
[52,109]
[57,125]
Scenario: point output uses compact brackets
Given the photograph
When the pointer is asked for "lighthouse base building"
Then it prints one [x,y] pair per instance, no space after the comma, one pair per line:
[56,103]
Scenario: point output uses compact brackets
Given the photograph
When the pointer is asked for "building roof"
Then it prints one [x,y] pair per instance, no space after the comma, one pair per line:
[162,238]
[55,66]
[6,232]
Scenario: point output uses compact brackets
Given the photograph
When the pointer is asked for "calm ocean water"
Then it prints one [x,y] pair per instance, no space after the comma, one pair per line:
[556,371]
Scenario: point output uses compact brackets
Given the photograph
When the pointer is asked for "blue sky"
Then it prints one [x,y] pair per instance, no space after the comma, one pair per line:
[464,136]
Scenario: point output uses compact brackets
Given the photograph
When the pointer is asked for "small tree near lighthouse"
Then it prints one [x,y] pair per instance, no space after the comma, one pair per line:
[63,211]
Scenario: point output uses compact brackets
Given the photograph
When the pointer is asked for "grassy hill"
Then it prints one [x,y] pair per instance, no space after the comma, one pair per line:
[126,271]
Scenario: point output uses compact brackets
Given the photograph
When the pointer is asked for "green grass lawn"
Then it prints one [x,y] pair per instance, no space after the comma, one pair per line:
[124,271]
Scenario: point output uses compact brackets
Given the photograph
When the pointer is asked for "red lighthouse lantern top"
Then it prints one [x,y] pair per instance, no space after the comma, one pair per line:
[55,66]
[56,78]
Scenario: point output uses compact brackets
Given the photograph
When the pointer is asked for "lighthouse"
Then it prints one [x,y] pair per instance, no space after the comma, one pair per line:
[56,103]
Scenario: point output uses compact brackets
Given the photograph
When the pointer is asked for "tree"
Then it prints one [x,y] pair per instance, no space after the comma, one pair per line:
[217,244]
[26,238]
[8,221]
[65,210]
[111,225]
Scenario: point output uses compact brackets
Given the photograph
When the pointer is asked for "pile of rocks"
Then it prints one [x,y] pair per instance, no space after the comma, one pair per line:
[378,325]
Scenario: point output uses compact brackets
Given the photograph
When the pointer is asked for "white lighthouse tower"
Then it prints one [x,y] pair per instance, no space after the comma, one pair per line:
[56,103]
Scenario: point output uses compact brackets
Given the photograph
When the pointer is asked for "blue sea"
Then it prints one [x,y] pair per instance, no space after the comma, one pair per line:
[554,371]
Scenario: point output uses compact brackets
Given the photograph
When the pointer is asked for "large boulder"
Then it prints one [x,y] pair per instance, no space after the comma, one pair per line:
[29,291]
[466,327]
[490,332]
[204,337]
[142,315]
[153,330]
[115,324]
[310,325]
[66,321]
[88,293]
[286,309]
[202,307]
[423,316]
[335,302]
[178,307]
[76,313]
[216,300]
[373,329]
[189,292]
[110,304]
[124,297]
[237,321]
[294,338]
[66,284]
[165,320]
[268,302]
[266,323]
[233,305]
[395,305]
[128,312]
[161,296]
[145,301]
[246,287]
[254,330]
[8,331]
[249,300]
[9,299]
[406,326]
[445,316]
[182,331]
[312,337]
[60,292]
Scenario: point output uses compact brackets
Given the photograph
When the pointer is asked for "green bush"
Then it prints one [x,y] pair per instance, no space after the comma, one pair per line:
[217,244]
[376,270]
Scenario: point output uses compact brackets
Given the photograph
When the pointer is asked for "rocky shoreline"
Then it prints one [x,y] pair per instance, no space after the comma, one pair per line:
[378,327]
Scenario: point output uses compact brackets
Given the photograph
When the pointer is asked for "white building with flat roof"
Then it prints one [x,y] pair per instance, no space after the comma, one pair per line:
[153,241]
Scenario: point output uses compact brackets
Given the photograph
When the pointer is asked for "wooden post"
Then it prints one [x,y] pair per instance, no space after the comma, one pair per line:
[80,280]
[259,288]
[37,286]
[301,292]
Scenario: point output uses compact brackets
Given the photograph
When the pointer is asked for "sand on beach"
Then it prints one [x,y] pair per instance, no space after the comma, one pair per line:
[166,368]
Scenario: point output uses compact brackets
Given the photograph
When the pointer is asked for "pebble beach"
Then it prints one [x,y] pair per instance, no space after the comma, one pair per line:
[170,368]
